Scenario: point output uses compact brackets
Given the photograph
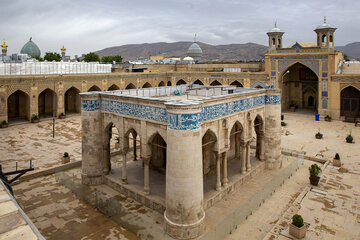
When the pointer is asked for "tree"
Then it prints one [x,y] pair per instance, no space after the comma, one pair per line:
[346,57]
[91,57]
[110,59]
[52,56]
[39,58]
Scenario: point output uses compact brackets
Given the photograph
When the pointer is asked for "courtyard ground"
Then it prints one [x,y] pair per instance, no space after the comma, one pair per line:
[333,212]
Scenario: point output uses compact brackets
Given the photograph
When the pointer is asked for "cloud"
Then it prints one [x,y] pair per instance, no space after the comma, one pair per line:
[84,26]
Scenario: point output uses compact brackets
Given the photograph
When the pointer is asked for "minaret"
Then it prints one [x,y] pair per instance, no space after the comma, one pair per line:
[325,35]
[275,37]
[63,50]
[4,50]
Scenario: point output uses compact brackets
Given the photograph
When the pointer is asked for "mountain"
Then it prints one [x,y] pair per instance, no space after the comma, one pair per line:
[247,51]
[351,49]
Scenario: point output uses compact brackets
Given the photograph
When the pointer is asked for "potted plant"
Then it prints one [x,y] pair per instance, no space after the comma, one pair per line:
[297,228]
[4,124]
[349,138]
[117,143]
[336,160]
[328,118]
[62,116]
[314,170]
[35,118]
[65,158]
[318,135]
[283,124]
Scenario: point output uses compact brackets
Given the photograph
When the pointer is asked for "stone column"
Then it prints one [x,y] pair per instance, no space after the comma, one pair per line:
[92,139]
[225,178]
[262,146]
[248,160]
[146,175]
[134,146]
[218,172]
[272,134]
[123,167]
[243,157]
[184,215]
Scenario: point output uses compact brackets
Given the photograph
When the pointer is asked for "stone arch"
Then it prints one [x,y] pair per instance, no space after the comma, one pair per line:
[236,135]
[109,142]
[259,133]
[209,141]
[47,102]
[309,97]
[147,85]
[113,87]
[236,83]
[286,65]
[18,106]
[72,101]
[130,86]
[198,82]
[168,83]
[21,89]
[94,88]
[180,82]
[259,85]
[161,84]
[215,83]
[350,102]
[157,146]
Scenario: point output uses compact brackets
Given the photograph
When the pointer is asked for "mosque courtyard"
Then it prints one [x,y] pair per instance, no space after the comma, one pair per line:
[331,209]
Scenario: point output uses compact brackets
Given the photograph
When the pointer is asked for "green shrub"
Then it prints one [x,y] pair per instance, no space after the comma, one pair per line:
[337,156]
[62,114]
[3,122]
[66,154]
[297,220]
[314,170]
[283,124]
[34,117]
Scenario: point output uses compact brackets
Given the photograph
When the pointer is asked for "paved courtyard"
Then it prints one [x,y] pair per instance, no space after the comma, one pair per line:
[332,209]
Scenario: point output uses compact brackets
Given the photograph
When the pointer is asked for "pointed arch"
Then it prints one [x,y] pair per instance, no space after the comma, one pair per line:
[236,135]
[215,83]
[158,152]
[350,102]
[180,82]
[130,86]
[94,88]
[236,83]
[147,85]
[72,102]
[47,102]
[161,84]
[168,83]
[113,87]
[209,140]
[18,106]
[198,82]
[259,132]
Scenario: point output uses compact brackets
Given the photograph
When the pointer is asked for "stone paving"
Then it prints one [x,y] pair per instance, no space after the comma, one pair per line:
[332,211]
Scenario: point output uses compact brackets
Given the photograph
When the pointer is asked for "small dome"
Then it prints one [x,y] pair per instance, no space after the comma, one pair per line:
[189,59]
[194,50]
[325,26]
[31,49]
[275,30]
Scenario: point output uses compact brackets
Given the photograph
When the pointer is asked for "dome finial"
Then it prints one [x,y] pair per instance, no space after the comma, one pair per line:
[30,39]
[195,38]
[276,23]
[325,19]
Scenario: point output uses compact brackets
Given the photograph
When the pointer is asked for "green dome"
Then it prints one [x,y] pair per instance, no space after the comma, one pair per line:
[31,49]
[194,51]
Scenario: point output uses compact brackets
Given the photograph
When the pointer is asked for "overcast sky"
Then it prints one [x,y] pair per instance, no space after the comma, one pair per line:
[89,25]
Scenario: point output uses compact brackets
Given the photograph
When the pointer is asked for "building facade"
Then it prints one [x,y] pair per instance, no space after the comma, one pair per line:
[187,132]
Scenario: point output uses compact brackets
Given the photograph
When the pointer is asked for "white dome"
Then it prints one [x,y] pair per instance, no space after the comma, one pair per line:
[190,59]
